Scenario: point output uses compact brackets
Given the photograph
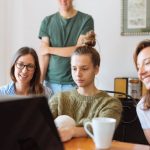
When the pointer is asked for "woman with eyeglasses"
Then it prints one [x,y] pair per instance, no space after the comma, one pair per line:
[142,63]
[25,74]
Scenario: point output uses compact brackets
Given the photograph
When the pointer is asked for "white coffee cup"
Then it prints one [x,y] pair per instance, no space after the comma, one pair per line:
[103,131]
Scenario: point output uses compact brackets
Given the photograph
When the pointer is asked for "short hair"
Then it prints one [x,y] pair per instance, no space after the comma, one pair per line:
[143,44]
[35,86]
[88,50]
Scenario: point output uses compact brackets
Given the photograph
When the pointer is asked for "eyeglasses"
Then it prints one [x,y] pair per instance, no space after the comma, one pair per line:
[145,63]
[29,67]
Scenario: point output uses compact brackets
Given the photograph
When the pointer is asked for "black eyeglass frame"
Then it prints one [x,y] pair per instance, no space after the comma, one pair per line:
[21,66]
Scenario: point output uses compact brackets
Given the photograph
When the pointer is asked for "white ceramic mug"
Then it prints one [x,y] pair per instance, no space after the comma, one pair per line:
[103,131]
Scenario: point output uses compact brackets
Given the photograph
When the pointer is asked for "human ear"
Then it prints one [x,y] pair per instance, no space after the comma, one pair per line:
[97,69]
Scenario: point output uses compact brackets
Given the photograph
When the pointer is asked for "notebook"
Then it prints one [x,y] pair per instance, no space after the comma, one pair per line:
[26,123]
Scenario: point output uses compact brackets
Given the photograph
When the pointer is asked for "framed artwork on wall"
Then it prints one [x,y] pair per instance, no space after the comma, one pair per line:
[135,17]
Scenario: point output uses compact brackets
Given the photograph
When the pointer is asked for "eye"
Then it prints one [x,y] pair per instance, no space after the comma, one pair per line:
[31,66]
[20,65]
[84,68]
[74,69]
[146,63]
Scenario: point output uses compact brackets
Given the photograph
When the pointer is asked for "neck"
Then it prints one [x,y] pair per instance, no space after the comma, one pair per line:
[21,89]
[88,91]
[68,14]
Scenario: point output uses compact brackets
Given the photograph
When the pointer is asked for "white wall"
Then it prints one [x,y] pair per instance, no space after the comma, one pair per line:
[21,24]
[2,42]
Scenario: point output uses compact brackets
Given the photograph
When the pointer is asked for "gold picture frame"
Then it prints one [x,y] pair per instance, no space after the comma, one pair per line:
[135,17]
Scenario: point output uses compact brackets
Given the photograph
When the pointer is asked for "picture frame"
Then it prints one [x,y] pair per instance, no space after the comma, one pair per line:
[135,17]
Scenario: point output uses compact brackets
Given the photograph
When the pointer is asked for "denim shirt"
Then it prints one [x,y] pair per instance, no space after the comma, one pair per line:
[9,89]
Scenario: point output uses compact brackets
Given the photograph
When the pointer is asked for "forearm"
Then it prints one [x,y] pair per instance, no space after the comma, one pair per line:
[46,48]
[78,132]
[44,60]
[66,51]
[62,51]
[67,134]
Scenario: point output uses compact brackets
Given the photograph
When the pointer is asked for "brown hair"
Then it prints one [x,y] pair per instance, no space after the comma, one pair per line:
[90,38]
[88,50]
[142,45]
[35,85]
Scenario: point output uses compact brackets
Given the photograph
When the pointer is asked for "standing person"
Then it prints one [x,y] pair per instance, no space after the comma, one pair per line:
[142,63]
[25,74]
[85,102]
[60,34]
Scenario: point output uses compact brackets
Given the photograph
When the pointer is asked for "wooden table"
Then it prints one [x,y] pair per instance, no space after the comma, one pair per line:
[87,144]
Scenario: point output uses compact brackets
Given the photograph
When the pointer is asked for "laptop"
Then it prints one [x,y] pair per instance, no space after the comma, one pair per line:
[26,123]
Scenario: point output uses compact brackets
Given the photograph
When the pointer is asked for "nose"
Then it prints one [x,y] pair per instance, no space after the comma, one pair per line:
[78,73]
[25,69]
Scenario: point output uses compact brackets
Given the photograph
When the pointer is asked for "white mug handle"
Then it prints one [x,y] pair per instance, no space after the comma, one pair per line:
[87,130]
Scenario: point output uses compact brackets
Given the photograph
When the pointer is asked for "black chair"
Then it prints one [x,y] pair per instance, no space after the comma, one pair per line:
[129,129]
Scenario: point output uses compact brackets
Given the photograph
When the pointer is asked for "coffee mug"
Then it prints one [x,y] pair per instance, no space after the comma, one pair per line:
[103,131]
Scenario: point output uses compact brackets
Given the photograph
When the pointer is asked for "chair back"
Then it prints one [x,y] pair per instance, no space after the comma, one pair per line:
[129,129]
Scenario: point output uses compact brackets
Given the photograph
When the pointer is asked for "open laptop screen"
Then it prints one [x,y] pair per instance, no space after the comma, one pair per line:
[26,123]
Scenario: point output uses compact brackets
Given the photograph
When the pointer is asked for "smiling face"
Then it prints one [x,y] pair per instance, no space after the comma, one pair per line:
[83,70]
[143,66]
[24,75]
[65,5]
